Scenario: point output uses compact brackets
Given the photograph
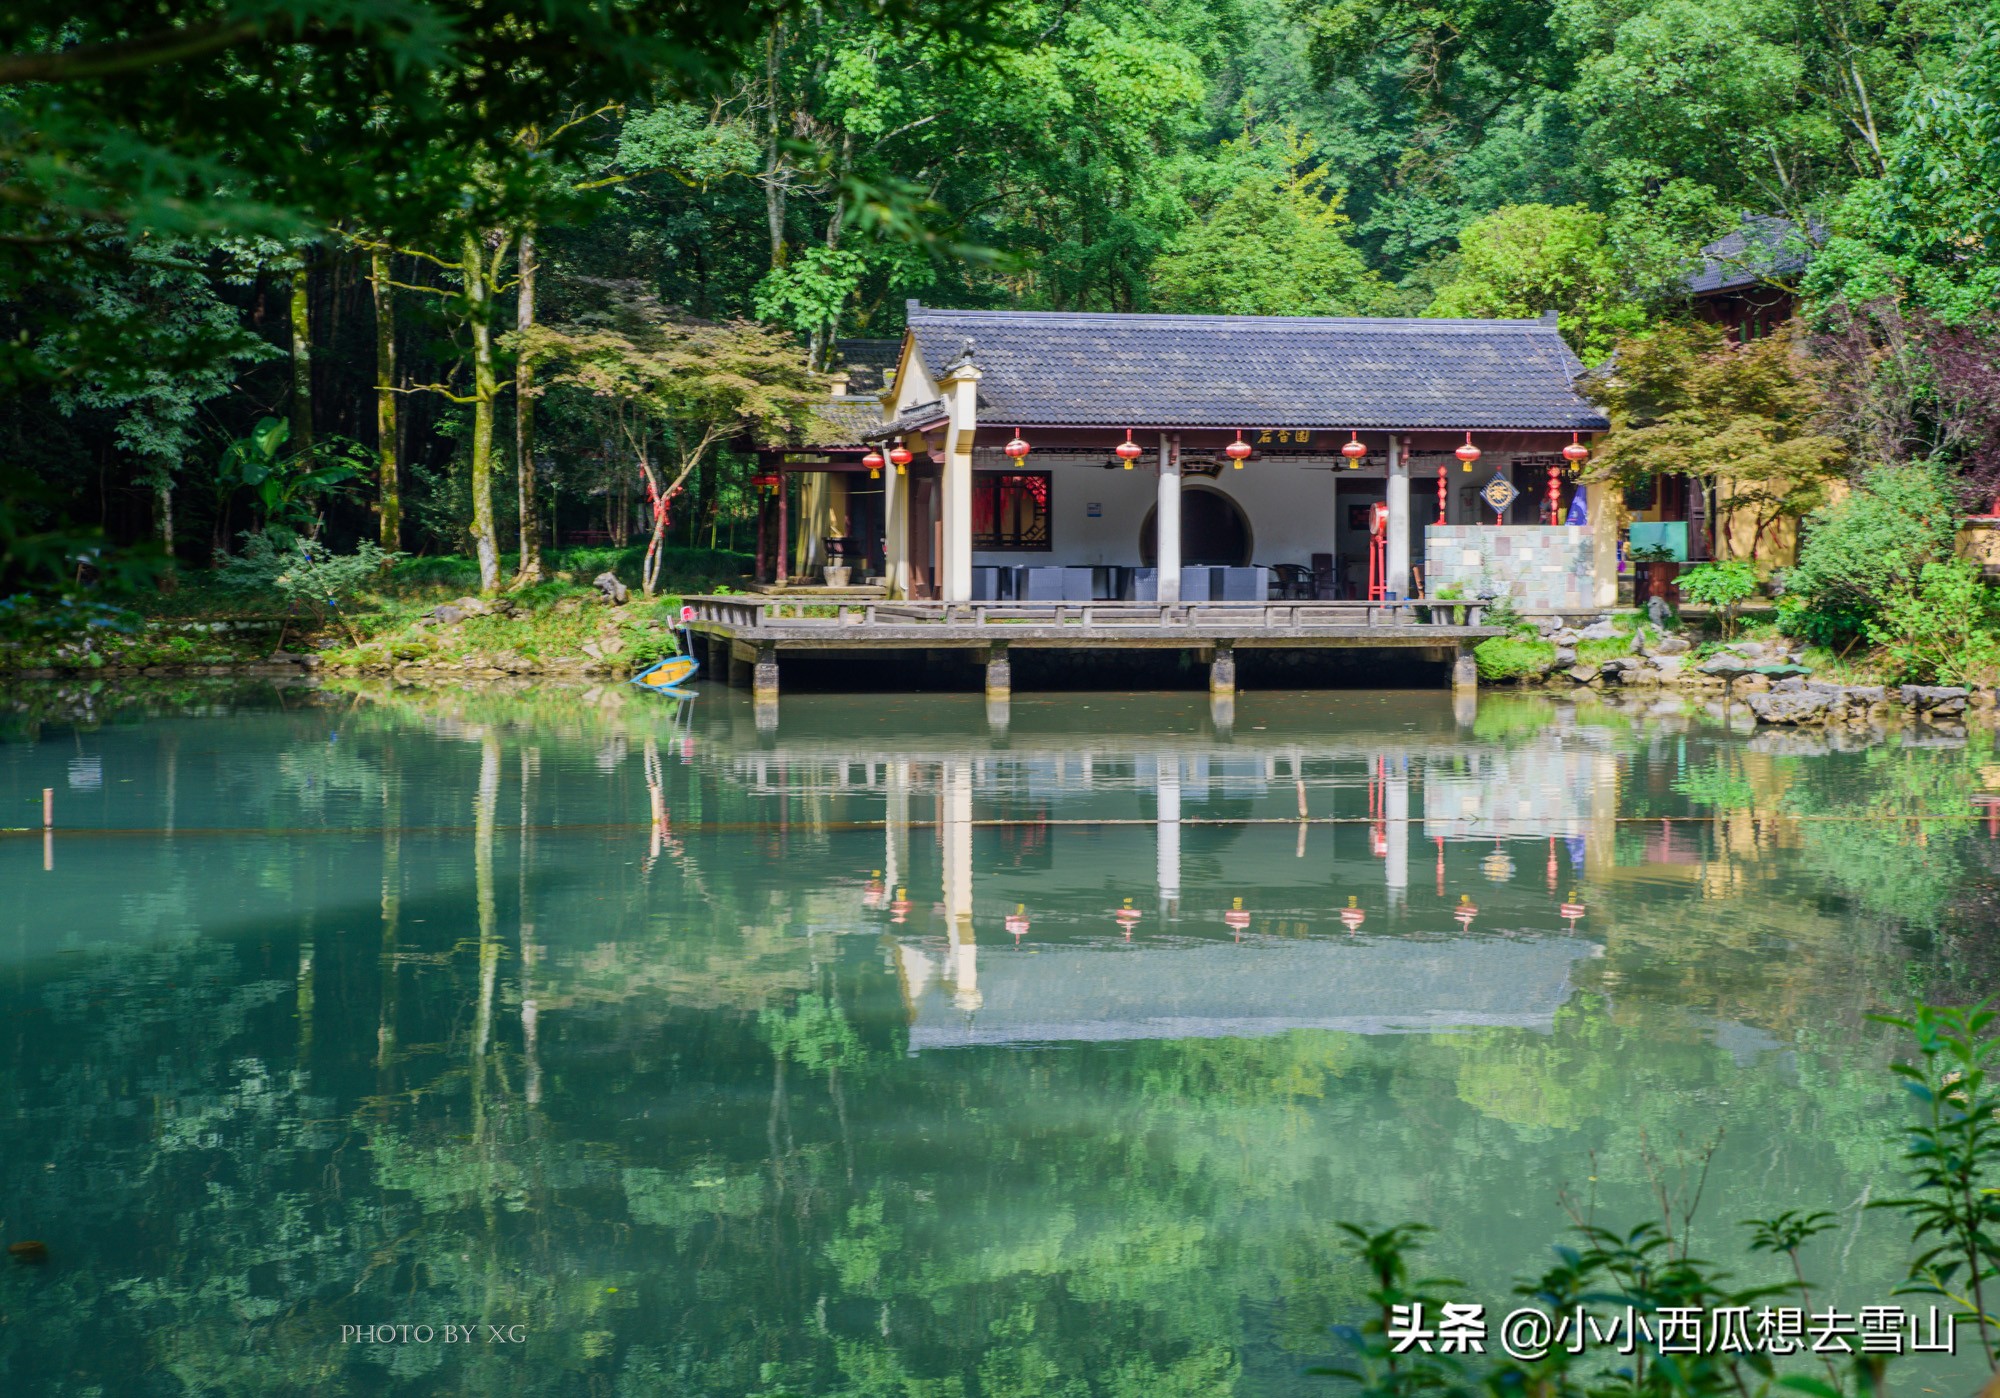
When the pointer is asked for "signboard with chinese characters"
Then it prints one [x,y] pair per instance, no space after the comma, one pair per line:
[1499,494]
[1281,436]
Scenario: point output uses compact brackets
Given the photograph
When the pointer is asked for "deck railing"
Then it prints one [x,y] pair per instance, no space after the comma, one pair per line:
[746,614]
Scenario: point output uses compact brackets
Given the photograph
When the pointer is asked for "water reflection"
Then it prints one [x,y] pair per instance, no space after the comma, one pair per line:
[890,1046]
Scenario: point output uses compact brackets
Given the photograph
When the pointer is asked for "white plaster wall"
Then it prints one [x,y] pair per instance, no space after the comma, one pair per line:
[1290,506]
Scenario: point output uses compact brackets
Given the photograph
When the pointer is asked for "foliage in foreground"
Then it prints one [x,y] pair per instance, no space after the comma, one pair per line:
[1867,548]
[1952,1151]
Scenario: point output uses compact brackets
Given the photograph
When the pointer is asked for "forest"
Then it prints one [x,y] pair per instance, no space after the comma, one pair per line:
[486,279]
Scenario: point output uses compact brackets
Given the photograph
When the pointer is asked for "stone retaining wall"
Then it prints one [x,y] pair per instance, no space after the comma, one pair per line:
[1542,567]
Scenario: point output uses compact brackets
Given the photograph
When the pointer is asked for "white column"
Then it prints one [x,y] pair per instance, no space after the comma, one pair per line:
[1167,784]
[896,531]
[961,388]
[1167,519]
[896,825]
[955,813]
[1396,815]
[1398,580]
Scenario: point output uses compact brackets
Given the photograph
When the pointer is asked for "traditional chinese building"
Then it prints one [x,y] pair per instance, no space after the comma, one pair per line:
[1168,458]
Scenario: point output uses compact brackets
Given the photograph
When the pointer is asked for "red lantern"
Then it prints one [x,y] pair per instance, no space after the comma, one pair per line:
[1237,451]
[1352,917]
[1354,450]
[873,461]
[1128,450]
[766,481]
[1468,453]
[1465,912]
[1440,492]
[1017,448]
[1576,453]
[901,455]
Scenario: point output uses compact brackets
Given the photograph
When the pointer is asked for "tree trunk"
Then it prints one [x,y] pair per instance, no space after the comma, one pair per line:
[166,489]
[774,189]
[530,569]
[302,384]
[390,508]
[485,389]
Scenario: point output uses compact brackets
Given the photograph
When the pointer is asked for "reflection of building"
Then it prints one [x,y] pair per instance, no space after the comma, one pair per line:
[1111,990]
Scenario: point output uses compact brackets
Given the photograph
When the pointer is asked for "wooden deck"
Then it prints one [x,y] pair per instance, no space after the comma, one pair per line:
[792,624]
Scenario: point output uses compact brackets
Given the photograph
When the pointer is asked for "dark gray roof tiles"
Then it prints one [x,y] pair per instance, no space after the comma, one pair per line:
[914,418]
[1763,248]
[843,421]
[867,362]
[1073,368]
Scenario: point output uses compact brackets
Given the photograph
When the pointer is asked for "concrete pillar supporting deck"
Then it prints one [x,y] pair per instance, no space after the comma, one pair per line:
[1222,669]
[1465,669]
[999,672]
[764,679]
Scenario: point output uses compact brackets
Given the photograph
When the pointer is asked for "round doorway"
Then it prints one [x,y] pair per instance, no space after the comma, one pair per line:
[1214,531]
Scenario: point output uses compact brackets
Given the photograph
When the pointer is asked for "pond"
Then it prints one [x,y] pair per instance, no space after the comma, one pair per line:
[902,1047]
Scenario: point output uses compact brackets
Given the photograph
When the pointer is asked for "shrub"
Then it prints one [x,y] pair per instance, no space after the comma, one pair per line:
[305,573]
[1512,658]
[1861,550]
[1940,631]
[1722,585]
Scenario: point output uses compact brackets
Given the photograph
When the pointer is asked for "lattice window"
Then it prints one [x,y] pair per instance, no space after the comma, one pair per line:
[1010,510]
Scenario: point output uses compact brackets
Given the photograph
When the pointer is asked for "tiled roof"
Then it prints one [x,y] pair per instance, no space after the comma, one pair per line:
[1060,367]
[867,362]
[1762,248]
[843,421]
[912,419]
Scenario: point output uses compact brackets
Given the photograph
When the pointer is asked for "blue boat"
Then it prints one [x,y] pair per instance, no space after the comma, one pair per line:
[671,673]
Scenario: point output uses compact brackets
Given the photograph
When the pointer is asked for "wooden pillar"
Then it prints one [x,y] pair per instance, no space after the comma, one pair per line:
[1222,669]
[784,532]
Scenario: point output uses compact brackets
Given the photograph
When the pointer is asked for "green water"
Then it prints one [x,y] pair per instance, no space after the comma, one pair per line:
[379,1008]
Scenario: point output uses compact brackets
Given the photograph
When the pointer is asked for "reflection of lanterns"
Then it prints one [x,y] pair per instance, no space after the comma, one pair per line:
[1352,917]
[1237,451]
[1990,805]
[1017,922]
[1018,448]
[1571,910]
[1552,864]
[1236,919]
[1497,866]
[900,909]
[873,461]
[1353,449]
[1465,912]
[1129,451]
[871,896]
[901,455]
[1576,453]
[1468,453]
[1127,918]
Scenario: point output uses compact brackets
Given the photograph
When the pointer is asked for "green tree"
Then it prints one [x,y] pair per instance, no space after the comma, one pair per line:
[1748,420]
[1872,544]
[1274,245]
[1525,259]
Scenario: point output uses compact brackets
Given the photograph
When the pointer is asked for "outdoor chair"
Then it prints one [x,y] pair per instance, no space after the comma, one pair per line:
[1293,582]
